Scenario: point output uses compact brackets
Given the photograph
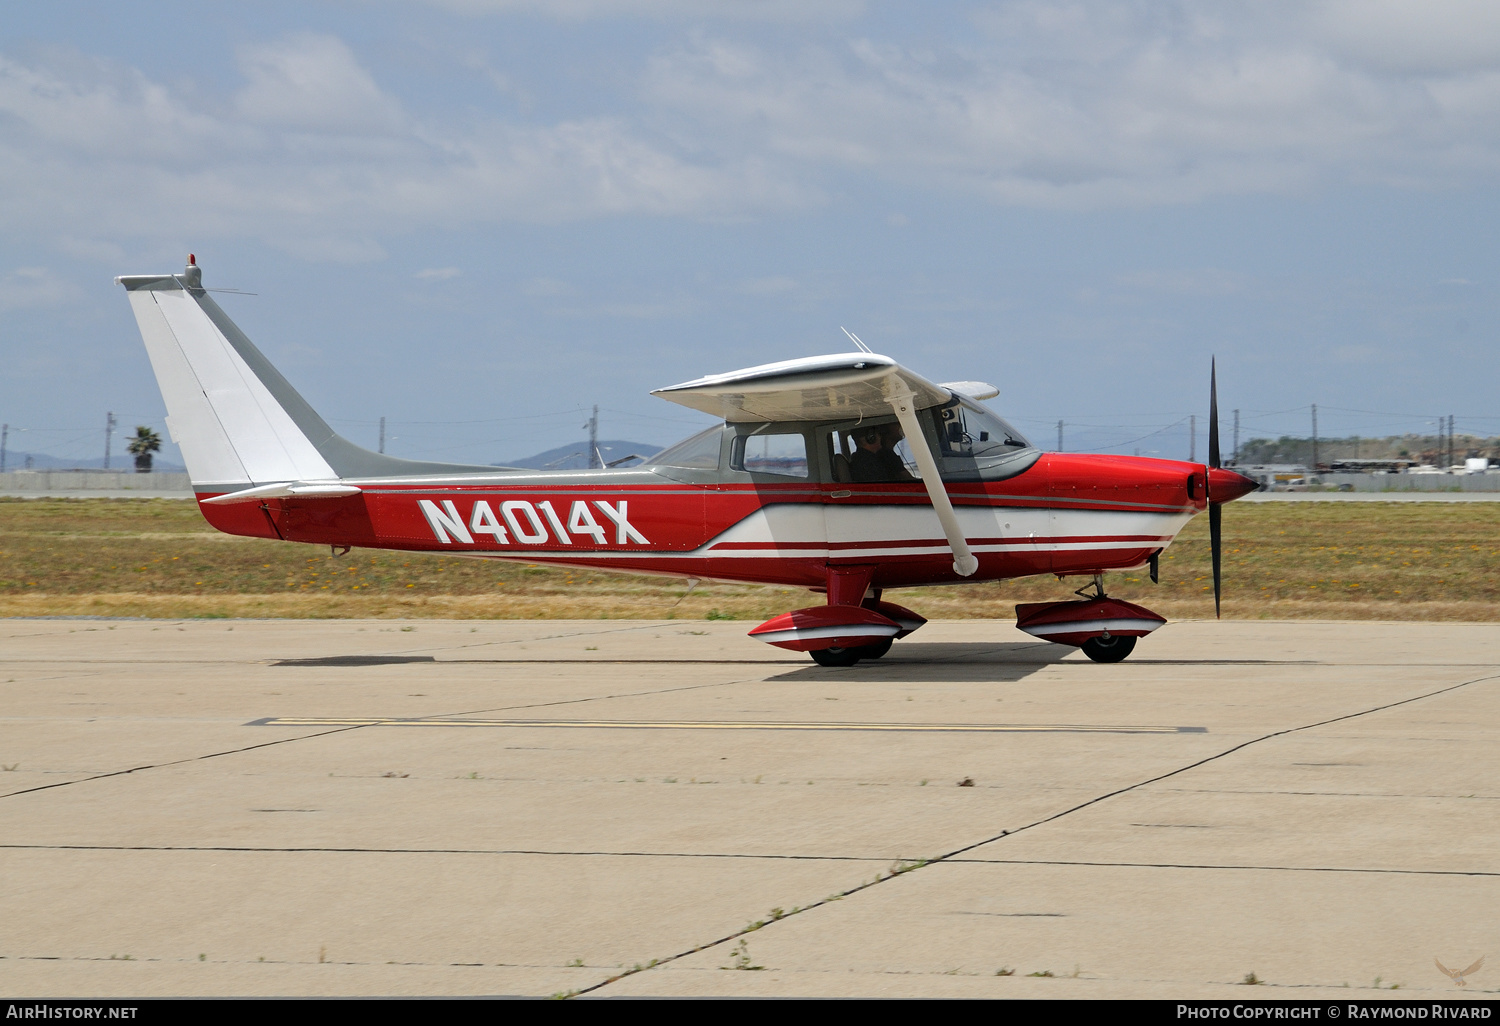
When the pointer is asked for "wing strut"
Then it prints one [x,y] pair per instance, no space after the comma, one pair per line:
[964,563]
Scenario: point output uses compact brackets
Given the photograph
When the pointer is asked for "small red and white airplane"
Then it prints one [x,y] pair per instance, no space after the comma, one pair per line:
[845,474]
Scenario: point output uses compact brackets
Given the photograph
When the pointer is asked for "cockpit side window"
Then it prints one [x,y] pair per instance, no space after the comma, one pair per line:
[872,451]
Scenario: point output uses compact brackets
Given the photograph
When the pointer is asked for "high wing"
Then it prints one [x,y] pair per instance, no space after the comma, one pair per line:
[832,388]
[812,388]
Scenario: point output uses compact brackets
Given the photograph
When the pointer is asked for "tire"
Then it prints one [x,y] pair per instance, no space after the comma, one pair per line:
[876,650]
[836,656]
[1109,650]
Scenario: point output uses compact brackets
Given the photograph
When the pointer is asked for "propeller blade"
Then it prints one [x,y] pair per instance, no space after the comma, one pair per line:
[1213,413]
[1215,509]
[1215,539]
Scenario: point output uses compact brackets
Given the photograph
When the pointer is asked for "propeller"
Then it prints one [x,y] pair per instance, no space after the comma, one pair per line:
[1223,486]
[1215,509]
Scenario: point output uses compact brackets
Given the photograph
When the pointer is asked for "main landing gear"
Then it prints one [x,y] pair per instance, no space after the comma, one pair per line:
[854,624]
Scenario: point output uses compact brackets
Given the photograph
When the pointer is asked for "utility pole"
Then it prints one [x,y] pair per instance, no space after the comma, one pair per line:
[382,434]
[109,433]
[595,460]
[1236,437]
[1193,438]
[4,436]
[1452,443]
[1314,466]
[1059,436]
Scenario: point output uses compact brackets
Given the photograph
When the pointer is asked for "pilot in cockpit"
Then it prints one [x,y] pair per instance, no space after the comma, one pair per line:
[875,458]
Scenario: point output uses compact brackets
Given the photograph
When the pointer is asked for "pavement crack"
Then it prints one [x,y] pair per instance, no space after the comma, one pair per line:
[175,762]
[1212,758]
[901,869]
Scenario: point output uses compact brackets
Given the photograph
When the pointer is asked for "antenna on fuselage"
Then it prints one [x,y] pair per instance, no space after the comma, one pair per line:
[856,340]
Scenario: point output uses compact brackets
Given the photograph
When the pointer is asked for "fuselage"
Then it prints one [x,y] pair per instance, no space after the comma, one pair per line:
[1062,514]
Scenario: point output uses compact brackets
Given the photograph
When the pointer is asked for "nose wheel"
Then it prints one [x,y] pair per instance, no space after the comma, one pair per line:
[1109,649]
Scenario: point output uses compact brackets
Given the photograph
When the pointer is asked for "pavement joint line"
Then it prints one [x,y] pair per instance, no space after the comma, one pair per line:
[1337,794]
[340,730]
[901,869]
[1208,865]
[748,856]
[400,659]
[1016,728]
[604,698]
[637,625]
[315,849]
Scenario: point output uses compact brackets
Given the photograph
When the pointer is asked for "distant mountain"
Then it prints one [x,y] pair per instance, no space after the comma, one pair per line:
[575,456]
[119,461]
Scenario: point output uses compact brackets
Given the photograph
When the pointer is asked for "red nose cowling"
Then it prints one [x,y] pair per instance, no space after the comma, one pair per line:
[1226,485]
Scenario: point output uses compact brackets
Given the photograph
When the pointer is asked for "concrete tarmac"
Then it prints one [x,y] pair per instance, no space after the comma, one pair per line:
[624,808]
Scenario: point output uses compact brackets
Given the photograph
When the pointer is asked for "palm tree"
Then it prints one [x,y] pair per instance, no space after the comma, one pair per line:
[142,446]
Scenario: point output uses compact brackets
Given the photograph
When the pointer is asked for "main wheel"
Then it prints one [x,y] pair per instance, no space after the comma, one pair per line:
[1109,650]
[876,650]
[836,656]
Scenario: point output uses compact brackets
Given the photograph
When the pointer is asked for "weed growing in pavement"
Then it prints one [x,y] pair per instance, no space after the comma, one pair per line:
[740,958]
[1251,980]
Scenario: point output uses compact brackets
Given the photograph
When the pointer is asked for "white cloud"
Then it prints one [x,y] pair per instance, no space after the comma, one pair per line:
[1094,103]
[313,83]
[776,285]
[438,274]
[1203,282]
[28,287]
[666,10]
[1090,104]
[311,156]
[1413,35]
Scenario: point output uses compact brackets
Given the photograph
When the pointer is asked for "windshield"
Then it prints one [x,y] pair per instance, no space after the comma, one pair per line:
[700,452]
[966,429]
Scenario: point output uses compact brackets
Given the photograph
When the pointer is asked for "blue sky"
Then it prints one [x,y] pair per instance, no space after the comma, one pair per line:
[478,218]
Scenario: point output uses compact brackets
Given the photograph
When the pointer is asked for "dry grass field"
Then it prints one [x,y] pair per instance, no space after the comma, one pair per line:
[158,558]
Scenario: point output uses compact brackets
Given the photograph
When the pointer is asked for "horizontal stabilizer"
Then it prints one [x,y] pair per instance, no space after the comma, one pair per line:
[286,490]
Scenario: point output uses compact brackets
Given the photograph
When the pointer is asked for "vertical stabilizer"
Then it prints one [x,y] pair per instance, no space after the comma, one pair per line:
[238,421]
[232,431]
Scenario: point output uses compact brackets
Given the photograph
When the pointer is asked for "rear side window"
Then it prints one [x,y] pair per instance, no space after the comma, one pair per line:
[784,454]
